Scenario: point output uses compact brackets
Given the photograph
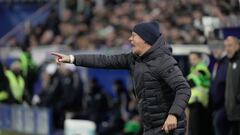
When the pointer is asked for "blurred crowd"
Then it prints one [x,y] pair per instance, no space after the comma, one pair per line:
[107,24]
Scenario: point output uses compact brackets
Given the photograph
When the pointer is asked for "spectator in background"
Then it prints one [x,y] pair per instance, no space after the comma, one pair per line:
[217,89]
[118,111]
[71,88]
[123,97]
[62,91]
[51,93]
[232,94]
[53,21]
[6,95]
[114,122]
[47,37]
[97,102]
[133,126]
[69,92]
[49,84]
[29,68]
[199,79]
[17,82]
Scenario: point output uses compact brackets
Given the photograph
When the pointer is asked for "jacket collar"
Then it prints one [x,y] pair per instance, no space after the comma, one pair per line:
[235,56]
[158,48]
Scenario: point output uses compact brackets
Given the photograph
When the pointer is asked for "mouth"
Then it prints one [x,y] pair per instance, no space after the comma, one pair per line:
[132,44]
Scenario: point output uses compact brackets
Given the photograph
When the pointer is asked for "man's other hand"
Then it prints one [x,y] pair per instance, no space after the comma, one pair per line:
[170,123]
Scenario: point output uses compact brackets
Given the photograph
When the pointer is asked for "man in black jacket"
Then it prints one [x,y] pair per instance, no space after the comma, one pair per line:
[161,90]
[217,89]
[232,96]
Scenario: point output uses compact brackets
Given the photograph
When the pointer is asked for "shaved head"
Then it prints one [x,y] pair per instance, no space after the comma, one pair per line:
[231,45]
[232,40]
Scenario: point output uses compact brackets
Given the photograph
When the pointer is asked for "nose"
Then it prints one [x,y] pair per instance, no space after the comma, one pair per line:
[130,38]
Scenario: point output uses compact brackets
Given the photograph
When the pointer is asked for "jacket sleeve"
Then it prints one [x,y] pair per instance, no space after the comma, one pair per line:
[121,61]
[172,75]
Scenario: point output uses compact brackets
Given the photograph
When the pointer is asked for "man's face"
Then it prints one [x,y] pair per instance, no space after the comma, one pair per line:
[193,59]
[139,45]
[16,67]
[231,46]
[218,53]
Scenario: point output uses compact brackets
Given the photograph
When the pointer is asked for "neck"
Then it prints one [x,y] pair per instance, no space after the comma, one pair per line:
[223,54]
[235,54]
[145,49]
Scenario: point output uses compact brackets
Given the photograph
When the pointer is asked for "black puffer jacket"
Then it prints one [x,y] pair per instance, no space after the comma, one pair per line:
[159,84]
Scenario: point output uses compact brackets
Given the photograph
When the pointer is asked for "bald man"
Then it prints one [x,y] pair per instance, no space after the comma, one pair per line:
[232,96]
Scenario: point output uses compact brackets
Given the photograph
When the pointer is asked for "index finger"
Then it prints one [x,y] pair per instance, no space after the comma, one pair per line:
[56,54]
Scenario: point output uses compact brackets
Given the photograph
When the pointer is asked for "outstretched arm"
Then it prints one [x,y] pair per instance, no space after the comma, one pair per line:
[121,61]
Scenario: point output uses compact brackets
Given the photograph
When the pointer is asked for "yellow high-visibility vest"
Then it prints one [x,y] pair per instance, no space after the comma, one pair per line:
[203,80]
[17,85]
[26,63]
[200,95]
[3,95]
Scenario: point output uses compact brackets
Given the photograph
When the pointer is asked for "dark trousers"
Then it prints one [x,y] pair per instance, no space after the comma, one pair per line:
[199,120]
[235,128]
[220,122]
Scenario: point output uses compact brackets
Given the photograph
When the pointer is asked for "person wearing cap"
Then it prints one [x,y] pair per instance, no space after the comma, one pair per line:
[159,85]
[232,93]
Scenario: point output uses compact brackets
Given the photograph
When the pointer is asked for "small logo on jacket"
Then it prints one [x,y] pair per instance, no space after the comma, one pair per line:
[234,65]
